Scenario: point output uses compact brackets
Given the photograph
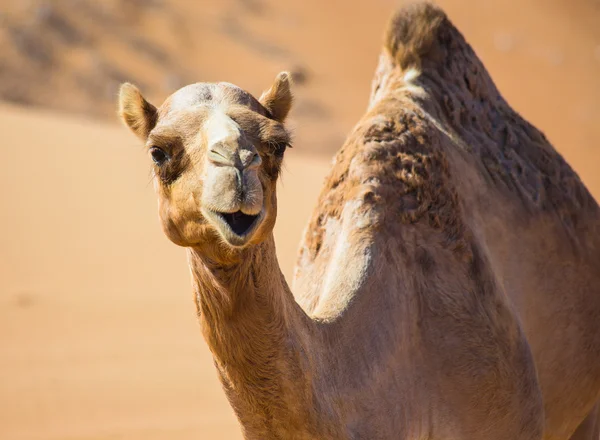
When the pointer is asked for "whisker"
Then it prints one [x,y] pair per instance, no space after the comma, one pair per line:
[152,176]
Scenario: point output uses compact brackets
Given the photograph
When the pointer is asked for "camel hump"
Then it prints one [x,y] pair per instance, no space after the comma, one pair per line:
[413,34]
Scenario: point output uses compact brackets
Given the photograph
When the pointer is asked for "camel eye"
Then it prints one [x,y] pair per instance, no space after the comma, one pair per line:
[158,156]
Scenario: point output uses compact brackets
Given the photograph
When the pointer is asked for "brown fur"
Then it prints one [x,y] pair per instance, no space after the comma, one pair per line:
[447,284]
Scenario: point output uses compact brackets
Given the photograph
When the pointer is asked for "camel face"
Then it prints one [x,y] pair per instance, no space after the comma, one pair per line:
[232,198]
[216,153]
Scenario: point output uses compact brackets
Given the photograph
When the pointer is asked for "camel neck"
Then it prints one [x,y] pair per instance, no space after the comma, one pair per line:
[256,332]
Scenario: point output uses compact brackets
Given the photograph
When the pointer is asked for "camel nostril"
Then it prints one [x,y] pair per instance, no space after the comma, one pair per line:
[249,158]
[220,157]
[254,161]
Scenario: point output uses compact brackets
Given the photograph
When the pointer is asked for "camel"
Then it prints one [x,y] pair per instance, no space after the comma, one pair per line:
[447,285]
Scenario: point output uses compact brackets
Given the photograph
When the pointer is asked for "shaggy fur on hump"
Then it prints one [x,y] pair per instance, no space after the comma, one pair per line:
[515,155]
[411,35]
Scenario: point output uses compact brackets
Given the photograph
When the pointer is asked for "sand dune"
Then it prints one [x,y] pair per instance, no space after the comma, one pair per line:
[71,55]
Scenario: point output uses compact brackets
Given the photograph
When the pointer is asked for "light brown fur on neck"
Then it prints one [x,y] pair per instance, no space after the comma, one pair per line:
[259,338]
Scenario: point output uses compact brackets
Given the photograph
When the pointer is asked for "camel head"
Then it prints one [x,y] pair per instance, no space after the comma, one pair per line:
[216,154]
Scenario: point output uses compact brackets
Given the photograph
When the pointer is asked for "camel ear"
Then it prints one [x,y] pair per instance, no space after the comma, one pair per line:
[137,113]
[278,99]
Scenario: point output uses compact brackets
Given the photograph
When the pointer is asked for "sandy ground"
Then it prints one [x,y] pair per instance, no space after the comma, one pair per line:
[98,331]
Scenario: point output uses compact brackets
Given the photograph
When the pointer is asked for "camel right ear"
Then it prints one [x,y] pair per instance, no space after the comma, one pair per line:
[137,113]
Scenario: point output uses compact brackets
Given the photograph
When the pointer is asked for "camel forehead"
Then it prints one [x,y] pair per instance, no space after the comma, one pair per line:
[203,124]
[204,106]
[200,94]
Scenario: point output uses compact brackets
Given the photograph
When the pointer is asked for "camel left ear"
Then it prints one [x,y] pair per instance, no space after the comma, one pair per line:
[278,99]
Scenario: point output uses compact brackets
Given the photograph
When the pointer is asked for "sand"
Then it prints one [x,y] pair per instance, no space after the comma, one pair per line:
[98,331]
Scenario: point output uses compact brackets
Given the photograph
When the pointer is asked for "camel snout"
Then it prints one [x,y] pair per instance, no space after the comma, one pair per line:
[230,188]
[239,158]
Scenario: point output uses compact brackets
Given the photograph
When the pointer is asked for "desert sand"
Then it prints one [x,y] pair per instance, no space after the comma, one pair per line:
[98,331]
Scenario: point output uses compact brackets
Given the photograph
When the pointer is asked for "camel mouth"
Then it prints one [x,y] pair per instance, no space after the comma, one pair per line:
[239,222]
[236,227]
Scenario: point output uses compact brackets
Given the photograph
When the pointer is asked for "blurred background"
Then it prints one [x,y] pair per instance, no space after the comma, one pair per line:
[98,333]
